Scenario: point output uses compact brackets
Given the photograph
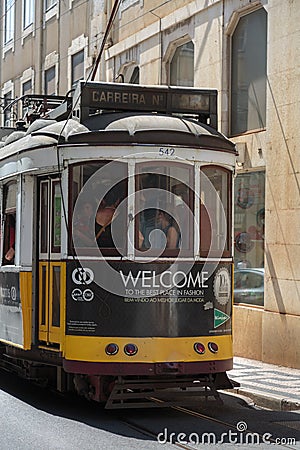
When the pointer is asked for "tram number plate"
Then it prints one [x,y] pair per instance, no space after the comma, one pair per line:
[166,151]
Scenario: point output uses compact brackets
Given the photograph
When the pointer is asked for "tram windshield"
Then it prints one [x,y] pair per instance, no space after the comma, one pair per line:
[164,207]
[99,207]
[214,211]
[154,212]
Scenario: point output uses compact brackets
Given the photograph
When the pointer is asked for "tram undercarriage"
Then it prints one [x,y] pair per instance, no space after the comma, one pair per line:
[44,368]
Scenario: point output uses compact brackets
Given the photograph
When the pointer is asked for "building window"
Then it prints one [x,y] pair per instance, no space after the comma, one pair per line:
[77,67]
[7,111]
[49,4]
[249,71]
[182,66]
[9,222]
[249,231]
[50,81]
[135,77]
[9,21]
[28,13]
[27,87]
[127,3]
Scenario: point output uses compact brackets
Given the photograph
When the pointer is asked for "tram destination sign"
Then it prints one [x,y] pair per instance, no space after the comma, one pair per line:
[166,99]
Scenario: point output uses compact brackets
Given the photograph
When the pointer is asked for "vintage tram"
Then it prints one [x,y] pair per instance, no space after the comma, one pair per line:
[116,244]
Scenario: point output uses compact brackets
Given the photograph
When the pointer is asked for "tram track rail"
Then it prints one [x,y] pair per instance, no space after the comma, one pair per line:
[190,412]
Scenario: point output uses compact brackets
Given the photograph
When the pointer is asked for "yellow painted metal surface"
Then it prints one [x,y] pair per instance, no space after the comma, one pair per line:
[49,332]
[92,349]
[26,302]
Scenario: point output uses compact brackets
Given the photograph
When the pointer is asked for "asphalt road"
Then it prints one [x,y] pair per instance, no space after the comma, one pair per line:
[37,419]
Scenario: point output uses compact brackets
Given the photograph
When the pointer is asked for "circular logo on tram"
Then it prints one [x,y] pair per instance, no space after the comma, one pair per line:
[88,295]
[222,286]
[13,293]
[83,275]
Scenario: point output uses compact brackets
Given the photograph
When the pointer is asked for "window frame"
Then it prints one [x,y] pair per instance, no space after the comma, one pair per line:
[135,76]
[47,249]
[7,99]
[175,50]
[27,92]
[227,251]
[73,80]
[49,4]
[238,17]
[46,71]
[84,251]
[28,12]
[50,10]
[9,20]
[9,221]
[184,252]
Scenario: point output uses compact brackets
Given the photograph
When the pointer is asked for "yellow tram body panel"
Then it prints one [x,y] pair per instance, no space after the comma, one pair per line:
[152,350]
[52,300]
[26,302]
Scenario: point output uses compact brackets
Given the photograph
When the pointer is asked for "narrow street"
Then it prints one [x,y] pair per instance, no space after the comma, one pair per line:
[34,418]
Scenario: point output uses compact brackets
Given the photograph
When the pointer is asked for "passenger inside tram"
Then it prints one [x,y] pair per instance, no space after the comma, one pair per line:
[169,227]
[105,215]
[9,243]
[83,226]
[163,234]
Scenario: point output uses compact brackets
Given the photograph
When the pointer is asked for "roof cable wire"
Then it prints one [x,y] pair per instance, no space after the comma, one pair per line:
[91,77]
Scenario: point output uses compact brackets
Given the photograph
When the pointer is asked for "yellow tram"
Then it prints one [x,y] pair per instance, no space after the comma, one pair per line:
[116,243]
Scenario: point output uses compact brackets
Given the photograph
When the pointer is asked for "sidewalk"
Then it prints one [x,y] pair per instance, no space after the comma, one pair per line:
[270,386]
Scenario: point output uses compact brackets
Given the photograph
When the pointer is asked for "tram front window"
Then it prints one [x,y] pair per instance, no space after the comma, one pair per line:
[164,203]
[215,219]
[99,211]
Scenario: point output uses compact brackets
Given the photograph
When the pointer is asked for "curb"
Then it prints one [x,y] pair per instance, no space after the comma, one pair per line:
[274,402]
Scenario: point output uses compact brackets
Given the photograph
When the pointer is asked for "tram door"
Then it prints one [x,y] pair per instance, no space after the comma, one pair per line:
[51,270]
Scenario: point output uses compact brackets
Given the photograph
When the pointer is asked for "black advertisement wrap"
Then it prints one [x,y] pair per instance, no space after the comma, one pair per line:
[11,323]
[155,300]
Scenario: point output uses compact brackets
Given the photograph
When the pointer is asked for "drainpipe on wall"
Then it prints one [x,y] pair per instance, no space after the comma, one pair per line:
[40,36]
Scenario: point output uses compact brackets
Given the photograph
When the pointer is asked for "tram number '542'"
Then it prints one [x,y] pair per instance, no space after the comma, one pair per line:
[166,151]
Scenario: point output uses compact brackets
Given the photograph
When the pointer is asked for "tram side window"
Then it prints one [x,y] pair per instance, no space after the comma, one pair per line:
[164,204]
[215,217]
[56,217]
[98,191]
[9,223]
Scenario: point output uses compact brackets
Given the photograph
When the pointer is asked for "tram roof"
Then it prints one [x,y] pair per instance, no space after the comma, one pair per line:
[152,129]
[110,129]
[123,114]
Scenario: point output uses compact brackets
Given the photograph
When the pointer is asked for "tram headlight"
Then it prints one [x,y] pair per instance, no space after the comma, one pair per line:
[213,347]
[130,349]
[111,349]
[199,348]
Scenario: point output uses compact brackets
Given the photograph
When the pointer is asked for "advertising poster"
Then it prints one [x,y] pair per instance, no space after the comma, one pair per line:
[11,322]
[152,300]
